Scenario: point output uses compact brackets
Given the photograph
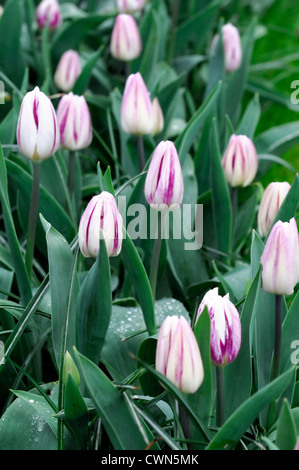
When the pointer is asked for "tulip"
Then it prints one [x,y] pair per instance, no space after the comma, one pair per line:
[164,186]
[67,71]
[225,327]
[158,118]
[178,356]
[74,122]
[130,6]
[126,43]
[37,130]
[232,47]
[280,259]
[137,115]
[48,12]
[240,162]
[101,214]
[271,201]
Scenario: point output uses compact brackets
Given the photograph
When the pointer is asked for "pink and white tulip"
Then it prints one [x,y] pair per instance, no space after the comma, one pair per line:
[67,71]
[48,12]
[164,186]
[74,122]
[272,199]
[37,130]
[178,356]
[225,327]
[280,259]
[232,47]
[240,161]
[126,43]
[130,6]
[137,116]
[100,215]
[158,118]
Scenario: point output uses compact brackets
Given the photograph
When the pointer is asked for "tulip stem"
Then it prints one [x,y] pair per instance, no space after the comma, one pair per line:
[32,220]
[277,338]
[156,255]
[71,175]
[141,156]
[220,396]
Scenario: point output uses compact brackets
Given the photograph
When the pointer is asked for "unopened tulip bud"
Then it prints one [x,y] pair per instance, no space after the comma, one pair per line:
[225,327]
[158,118]
[164,186]
[67,71]
[74,122]
[272,199]
[137,115]
[240,161]
[101,215]
[232,47]
[37,130]
[126,43]
[70,368]
[130,6]
[178,356]
[48,12]
[280,259]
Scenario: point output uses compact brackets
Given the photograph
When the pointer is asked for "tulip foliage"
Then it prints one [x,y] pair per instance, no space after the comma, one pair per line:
[149,257]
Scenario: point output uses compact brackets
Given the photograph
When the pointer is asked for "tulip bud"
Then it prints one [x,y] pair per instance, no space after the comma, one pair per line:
[67,71]
[178,356]
[69,367]
[240,162]
[232,47]
[158,118]
[271,201]
[1,10]
[164,186]
[37,130]
[74,122]
[137,115]
[101,214]
[48,12]
[130,6]
[126,43]
[280,259]
[225,327]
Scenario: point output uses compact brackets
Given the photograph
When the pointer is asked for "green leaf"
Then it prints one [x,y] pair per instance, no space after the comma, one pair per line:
[117,417]
[222,209]
[76,412]
[250,118]
[234,428]
[64,287]
[186,138]
[290,204]
[286,430]
[15,249]
[84,78]
[94,307]
[290,335]
[137,272]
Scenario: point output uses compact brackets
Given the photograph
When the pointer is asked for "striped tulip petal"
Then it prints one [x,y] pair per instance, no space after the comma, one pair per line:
[240,162]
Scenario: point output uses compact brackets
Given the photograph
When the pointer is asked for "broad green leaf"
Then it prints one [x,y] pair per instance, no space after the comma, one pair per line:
[234,428]
[278,139]
[186,138]
[76,412]
[290,335]
[136,270]
[250,118]
[290,204]
[286,430]
[222,210]
[94,307]
[64,287]
[84,78]
[15,249]
[119,422]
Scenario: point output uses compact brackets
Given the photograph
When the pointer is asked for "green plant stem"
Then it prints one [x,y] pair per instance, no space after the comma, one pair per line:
[156,255]
[277,338]
[141,156]
[71,174]
[220,396]
[32,220]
